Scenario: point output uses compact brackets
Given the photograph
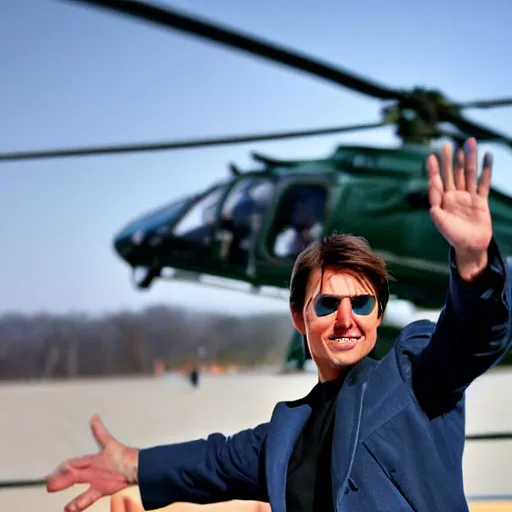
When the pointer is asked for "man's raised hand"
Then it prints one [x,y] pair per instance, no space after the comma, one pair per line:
[459,205]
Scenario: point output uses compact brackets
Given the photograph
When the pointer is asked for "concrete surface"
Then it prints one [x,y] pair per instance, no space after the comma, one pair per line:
[46,423]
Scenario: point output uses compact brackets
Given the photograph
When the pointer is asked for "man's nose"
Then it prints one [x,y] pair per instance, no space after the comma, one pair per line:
[344,314]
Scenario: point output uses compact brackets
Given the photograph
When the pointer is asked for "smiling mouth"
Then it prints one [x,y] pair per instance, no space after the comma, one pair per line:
[344,339]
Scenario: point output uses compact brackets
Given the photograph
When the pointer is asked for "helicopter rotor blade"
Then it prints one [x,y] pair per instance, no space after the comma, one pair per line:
[255,46]
[476,130]
[183,144]
[504,102]
[457,136]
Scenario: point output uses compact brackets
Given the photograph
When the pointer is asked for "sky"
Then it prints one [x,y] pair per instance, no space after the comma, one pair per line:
[73,75]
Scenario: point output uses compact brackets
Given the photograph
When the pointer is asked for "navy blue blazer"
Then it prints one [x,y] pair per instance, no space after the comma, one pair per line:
[399,425]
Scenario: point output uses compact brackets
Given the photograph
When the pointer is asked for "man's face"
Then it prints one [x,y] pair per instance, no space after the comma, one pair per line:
[338,339]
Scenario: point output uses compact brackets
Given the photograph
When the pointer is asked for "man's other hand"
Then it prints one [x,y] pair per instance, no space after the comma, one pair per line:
[111,470]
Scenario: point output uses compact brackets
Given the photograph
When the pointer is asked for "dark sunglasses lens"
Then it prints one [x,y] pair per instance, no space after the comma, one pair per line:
[363,304]
[326,305]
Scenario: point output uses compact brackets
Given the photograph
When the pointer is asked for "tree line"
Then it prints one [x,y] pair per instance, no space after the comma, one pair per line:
[48,346]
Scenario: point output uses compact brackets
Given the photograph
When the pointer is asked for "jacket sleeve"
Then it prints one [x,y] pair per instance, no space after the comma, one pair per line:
[472,334]
[210,470]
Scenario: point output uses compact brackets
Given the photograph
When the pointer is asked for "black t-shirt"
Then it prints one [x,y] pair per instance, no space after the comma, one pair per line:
[308,486]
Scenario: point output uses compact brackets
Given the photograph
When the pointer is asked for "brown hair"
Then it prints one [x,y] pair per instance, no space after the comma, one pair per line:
[345,252]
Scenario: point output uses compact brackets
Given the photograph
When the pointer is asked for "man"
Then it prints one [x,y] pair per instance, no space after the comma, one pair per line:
[371,436]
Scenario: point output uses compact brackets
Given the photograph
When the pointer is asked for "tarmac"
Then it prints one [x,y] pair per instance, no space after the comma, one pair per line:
[44,423]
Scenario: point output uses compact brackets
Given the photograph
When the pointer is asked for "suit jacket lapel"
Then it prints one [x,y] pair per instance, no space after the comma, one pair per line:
[287,422]
[347,420]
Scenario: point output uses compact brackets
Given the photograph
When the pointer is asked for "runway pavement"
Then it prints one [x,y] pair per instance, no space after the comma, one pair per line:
[45,423]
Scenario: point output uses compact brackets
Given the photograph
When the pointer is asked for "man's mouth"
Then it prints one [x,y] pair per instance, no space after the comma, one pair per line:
[344,339]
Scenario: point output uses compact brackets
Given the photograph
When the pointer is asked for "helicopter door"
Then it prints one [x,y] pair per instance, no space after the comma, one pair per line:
[299,219]
[240,222]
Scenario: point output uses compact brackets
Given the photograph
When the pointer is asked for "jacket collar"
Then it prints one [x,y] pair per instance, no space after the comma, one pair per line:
[289,419]
[347,422]
[286,424]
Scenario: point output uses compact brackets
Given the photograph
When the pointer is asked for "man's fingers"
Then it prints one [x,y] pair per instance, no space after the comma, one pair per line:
[131,505]
[59,483]
[117,503]
[435,188]
[62,478]
[447,167]
[471,165]
[99,431]
[460,178]
[122,503]
[66,474]
[83,501]
[484,185]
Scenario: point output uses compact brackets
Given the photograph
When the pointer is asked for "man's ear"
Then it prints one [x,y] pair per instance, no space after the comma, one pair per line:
[298,321]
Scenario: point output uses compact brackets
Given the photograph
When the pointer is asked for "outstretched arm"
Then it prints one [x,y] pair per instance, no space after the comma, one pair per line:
[474,329]
[209,470]
[203,471]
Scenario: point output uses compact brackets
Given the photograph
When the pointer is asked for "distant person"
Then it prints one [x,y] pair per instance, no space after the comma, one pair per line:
[371,435]
[194,377]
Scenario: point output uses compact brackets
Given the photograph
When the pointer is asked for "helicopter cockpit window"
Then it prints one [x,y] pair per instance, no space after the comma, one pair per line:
[241,218]
[299,220]
[198,224]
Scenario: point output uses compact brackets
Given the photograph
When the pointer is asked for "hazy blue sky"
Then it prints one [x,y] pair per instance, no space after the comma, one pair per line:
[72,75]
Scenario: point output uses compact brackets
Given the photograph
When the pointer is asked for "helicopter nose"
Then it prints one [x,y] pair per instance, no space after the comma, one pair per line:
[124,246]
[136,242]
[128,240]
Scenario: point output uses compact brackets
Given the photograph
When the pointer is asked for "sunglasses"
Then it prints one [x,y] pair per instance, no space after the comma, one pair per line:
[327,304]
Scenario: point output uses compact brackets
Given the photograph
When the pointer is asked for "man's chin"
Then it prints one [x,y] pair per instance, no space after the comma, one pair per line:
[348,357]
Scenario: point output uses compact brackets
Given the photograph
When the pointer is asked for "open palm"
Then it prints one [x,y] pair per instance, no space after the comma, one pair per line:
[459,205]
[106,472]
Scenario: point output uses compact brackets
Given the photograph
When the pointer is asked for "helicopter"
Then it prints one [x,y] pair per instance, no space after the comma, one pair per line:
[251,226]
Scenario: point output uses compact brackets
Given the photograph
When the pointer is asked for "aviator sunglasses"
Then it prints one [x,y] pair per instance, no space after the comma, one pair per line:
[327,304]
